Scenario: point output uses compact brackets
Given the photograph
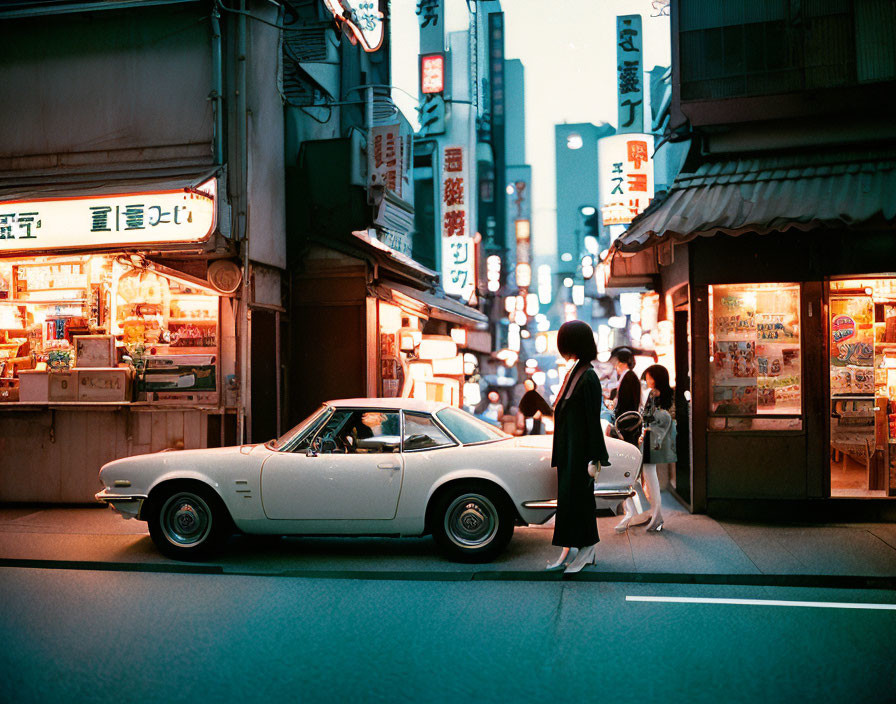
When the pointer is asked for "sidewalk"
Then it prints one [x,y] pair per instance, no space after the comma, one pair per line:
[691,548]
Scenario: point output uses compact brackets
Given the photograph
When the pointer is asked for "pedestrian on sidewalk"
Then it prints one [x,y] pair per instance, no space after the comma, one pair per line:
[628,393]
[533,407]
[657,447]
[579,448]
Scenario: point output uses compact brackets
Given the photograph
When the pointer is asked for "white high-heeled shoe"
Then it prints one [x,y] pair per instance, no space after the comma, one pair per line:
[656,524]
[561,562]
[622,526]
[586,556]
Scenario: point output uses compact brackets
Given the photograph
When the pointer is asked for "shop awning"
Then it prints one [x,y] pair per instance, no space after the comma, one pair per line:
[845,188]
[39,186]
[433,305]
[395,260]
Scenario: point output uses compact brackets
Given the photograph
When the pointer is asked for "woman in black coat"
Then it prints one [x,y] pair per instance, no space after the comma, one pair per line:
[578,442]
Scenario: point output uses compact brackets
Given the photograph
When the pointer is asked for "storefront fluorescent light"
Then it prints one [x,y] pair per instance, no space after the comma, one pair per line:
[591,244]
[408,339]
[390,318]
[617,321]
[578,294]
[513,337]
[472,393]
[448,367]
[437,347]
[459,335]
[523,275]
[532,305]
[510,304]
[420,370]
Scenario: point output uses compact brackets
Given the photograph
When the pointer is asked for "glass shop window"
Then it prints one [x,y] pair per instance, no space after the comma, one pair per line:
[755,375]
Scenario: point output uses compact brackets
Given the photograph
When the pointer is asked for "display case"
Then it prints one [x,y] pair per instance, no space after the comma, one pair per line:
[755,362]
[96,314]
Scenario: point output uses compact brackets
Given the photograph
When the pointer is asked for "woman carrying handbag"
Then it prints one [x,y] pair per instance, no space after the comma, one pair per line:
[658,447]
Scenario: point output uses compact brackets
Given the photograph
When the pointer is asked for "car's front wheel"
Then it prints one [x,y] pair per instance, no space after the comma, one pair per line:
[187,522]
[472,522]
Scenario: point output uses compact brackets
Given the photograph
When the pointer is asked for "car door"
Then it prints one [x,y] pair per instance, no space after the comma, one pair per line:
[351,470]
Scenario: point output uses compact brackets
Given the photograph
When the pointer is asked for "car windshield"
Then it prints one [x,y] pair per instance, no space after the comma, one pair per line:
[468,429]
[310,423]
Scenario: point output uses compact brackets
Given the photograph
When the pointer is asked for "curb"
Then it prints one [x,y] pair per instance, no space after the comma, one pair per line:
[752,580]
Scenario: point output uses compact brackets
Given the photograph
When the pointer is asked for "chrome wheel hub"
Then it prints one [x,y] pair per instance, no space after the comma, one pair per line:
[186,519]
[471,521]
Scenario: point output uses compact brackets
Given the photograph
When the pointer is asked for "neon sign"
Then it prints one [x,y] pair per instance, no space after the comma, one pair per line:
[362,21]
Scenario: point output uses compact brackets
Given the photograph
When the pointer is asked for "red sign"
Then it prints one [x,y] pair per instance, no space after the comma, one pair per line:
[432,73]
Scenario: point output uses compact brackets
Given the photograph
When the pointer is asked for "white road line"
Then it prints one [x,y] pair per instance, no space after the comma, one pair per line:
[763,602]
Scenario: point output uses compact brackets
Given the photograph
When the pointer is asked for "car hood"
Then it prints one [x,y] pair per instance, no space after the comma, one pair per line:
[155,463]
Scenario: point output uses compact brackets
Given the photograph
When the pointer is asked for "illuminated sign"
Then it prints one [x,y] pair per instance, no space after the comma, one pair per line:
[625,164]
[432,74]
[116,220]
[362,20]
[458,249]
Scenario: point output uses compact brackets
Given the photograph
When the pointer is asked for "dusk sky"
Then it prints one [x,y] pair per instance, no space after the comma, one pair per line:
[569,53]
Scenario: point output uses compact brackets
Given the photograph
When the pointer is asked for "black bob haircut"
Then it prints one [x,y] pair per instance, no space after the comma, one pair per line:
[660,376]
[626,356]
[576,338]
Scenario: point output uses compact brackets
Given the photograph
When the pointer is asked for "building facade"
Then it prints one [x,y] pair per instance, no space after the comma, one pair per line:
[773,257]
[139,291]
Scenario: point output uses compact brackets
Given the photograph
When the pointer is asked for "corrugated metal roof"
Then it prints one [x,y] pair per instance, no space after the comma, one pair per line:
[773,193]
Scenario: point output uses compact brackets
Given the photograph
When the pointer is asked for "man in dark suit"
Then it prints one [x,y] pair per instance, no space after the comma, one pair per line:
[628,394]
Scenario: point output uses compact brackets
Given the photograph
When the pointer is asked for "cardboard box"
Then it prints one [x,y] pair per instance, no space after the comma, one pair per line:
[9,390]
[104,384]
[92,351]
[33,386]
[63,386]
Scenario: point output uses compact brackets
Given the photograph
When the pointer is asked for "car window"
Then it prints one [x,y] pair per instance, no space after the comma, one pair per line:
[422,433]
[468,429]
[306,430]
[360,432]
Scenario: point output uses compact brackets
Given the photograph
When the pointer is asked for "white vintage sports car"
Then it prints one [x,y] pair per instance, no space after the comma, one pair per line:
[390,467]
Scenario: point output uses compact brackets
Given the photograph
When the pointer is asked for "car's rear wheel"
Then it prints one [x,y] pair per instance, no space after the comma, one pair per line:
[188,522]
[472,522]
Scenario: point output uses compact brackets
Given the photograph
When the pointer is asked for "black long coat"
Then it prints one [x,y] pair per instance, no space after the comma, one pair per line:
[578,440]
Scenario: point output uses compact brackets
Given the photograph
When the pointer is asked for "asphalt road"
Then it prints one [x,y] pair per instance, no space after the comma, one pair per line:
[80,635]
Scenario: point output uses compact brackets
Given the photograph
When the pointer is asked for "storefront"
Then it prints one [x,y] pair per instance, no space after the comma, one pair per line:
[116,332]
[782,335]
[367,323]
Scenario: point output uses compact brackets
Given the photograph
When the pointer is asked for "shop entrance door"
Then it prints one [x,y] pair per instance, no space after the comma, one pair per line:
[862,358]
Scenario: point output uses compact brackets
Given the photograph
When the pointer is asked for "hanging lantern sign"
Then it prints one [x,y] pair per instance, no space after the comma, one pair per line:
[362,21]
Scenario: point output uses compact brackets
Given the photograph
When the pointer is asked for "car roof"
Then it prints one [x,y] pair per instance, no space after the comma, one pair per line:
[386,404]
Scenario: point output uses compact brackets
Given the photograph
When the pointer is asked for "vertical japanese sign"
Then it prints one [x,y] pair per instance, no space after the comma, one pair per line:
[385,158]
[458,256]
[629,74]
[432,65]
[497,87]
[626,176]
